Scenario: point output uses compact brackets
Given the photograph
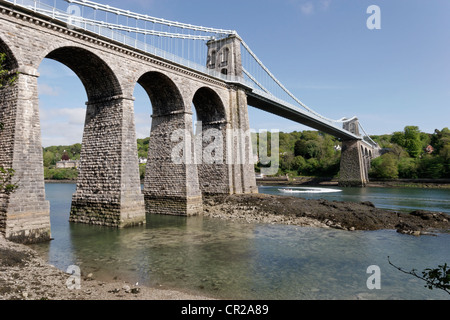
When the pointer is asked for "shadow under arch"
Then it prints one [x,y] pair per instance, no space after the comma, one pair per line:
[163,93]
[97,77]
[11,62]
[171,179]
[211,144]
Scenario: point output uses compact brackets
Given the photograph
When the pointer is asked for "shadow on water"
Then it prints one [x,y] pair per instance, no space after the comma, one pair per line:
[226,259]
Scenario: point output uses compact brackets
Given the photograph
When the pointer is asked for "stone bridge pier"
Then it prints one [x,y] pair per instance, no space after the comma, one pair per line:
[355,159]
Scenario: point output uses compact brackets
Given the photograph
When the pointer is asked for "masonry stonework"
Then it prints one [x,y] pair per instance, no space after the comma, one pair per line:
[25,213]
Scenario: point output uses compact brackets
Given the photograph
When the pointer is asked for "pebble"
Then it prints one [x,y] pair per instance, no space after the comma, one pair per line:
[126,288]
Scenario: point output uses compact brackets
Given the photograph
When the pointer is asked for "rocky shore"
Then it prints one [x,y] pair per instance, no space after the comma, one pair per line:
[263,208]
[25,276]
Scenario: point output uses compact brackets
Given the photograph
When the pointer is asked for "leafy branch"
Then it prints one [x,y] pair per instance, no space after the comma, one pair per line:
[7,77]
[6,186]
[435,278]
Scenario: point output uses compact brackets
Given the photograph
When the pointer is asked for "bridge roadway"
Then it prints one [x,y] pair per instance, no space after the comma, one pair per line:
[277,107]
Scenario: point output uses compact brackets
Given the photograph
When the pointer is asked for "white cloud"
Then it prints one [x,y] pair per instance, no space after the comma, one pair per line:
[310,7]
[54,70]
[307,8]
[56,134]
[325,4]
[47,90]
[74,116]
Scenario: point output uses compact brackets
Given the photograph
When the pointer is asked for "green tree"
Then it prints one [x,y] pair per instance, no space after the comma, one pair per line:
[398,138]
[407,168]
[413,142]
[385,167]
[431,167]
[7,77]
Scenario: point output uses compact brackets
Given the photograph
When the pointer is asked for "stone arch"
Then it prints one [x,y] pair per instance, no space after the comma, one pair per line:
[163,93]
[97,77]
[11,62]
[209,105]
[211,149]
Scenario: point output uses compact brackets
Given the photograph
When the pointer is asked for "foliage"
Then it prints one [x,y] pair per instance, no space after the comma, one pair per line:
[143,147]
[61,174]
[412,160]
[307,153]
[54,154]
[6,175]
[385,167]
[7,78]
[438,278]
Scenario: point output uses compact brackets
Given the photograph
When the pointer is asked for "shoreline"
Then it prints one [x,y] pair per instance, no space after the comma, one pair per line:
[316,181]
[26,276]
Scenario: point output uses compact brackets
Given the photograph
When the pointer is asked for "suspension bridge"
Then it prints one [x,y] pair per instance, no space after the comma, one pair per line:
[178,64]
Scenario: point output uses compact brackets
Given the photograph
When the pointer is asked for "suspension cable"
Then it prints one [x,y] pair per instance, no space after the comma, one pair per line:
[283,87]
[138,16]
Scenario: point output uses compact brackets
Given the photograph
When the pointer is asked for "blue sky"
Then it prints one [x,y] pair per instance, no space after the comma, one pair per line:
[321,50]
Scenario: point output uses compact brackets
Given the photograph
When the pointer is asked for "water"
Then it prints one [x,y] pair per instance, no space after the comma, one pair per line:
[230,260]
[400,199]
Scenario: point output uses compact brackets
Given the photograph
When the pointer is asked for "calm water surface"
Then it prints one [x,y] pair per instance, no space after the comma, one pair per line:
[230,260]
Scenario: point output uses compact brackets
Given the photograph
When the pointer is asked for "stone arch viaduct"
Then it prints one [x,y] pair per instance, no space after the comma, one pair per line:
[108,188]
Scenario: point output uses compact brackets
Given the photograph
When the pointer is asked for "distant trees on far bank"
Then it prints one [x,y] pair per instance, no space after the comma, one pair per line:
[408,154]
[307,153]
[412,154]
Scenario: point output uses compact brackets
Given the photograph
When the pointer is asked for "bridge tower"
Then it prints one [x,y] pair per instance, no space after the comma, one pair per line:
[224,56]
[355,159]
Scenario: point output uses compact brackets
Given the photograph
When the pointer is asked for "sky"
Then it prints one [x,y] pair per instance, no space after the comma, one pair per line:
[321,50]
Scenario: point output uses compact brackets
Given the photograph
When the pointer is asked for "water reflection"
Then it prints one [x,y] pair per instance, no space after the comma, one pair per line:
[225,259]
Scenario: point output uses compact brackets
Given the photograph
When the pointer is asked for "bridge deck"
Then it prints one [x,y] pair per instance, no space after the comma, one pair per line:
[278,108]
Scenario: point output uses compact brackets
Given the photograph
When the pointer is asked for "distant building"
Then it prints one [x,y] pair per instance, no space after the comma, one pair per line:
[66,163]
[429,149]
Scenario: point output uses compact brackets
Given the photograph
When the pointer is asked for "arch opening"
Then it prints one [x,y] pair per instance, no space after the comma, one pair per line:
[210,148]
[97,77]
[163,93]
